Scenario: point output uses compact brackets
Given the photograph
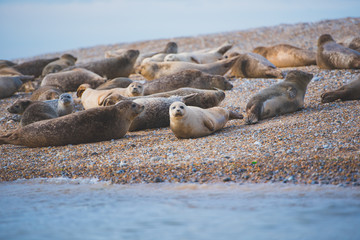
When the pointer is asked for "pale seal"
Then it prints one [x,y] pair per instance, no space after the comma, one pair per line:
[350,91]
[285,55]
[120,66]
[331,55]
[155,70]
[194,122]
[66,60]
[32,111]
[69,81]
[252,65]
[46,93]
[187,78]
[351,42]
[93,125]
[284,97]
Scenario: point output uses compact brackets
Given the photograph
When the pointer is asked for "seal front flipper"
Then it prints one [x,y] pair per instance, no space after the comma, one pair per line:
[291,92]
[209,125]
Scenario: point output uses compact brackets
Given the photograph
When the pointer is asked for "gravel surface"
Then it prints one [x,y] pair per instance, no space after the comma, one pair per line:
[317,145]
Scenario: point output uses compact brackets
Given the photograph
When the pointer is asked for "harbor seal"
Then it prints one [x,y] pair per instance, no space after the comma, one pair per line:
[33,67]
[46,93]
[63,105]
[93,125]
[200,56]
[10,84]
[156,70]
[331,55]
[91,98]
[120,66]
[351,42]
[187,78]
[285,55]
[284,97]
[66,60]
[252,65]
[194,122]
[120,82]
[69,81]
[350,91]
[32,111]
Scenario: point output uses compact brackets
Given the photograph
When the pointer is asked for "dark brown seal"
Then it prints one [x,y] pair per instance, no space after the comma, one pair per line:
[347,92]
[93,125]
[32,111]
[331,55]
[33,67]
[66,60]
[120,66]
[69,81]
[285,55]
[284,97]
[252,65]
[187,78]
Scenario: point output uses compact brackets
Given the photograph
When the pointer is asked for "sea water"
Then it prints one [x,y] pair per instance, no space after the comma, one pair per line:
[90,209]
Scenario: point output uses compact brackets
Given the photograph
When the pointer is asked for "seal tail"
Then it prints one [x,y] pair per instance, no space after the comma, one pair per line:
[235,115]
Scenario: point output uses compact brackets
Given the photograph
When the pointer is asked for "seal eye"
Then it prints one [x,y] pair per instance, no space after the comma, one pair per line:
[173,108]
[139,86]
[182,107]
[133,105]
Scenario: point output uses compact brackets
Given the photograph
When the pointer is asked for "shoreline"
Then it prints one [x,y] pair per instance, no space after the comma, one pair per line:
[319,144]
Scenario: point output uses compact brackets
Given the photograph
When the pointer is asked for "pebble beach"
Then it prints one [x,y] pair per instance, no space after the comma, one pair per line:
[319,144]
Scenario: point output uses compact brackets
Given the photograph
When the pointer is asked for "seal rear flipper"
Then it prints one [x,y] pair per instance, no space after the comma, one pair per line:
[276,73]
[331,96]
[8,138]
[209,125]
[235,115]
[194,60]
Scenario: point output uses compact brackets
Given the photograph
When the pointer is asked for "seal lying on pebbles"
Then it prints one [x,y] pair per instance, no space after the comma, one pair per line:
[120,82]
[69,81]
[10,84]
[331,55]
[347,92]
[32,111]
[252,65]
[93,125]
[153,70]
[120,66]
[34,67]
[193,122]
[351,42]
[187,78]
[46,93]
[201,56]
[285,55]
[284,97]
[66,60]
[91,98]
[64,105]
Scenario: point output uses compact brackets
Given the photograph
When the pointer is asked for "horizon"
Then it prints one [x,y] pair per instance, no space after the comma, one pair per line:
[66,25]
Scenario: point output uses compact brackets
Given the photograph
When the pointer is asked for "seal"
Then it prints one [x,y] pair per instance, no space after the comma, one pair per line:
[33,67]
[93,125]
[331,55]
[187,78]
[200,56]
[91,98]
[5,70]
[46,93]
[284,97]
[252,65]
[32,111]
[194,122]
[10,84]
[120,66]
[155,70]
[285,55]
[351,42]
[64,105]
[69,81]
[66,60]
[120,82]
[350,91]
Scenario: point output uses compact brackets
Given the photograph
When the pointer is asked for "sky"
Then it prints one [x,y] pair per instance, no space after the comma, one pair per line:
[33,27]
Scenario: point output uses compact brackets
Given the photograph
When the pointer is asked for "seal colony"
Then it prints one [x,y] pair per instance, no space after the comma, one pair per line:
[307,146]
